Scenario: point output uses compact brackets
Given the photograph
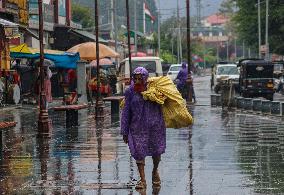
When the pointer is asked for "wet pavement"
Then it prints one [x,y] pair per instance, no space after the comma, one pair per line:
[222,153]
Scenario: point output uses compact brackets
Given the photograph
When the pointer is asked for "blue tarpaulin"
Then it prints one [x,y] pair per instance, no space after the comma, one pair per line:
[65,60]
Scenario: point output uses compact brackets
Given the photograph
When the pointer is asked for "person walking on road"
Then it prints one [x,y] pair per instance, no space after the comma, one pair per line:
[143,127]
[181,81]
[185,83]
[190,87]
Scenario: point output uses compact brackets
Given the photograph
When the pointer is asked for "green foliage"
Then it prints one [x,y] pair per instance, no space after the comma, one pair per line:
[246,21]
[168,57]
[227,7]
[82,15]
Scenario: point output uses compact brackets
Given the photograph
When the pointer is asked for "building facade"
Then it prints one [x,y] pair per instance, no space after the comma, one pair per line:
[108,8]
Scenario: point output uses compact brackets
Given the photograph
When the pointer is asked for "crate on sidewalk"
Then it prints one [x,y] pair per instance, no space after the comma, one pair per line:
[275,108]
[256,105]
[248,104]
[265,107]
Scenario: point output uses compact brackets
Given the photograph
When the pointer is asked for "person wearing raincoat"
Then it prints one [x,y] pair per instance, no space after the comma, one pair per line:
[146,113]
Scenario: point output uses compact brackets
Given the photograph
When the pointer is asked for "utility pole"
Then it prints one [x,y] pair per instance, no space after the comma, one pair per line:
[198,12]
[243,49]
[178,35]
[217,53]
[188,45]
[159,29]
[43,120]
[115,28]
[128,36]
[266,31]
[228,50]
[135,24]
[99,102]
[259,30]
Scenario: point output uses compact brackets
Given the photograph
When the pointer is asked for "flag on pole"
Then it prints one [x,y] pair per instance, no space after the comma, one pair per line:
[148,13]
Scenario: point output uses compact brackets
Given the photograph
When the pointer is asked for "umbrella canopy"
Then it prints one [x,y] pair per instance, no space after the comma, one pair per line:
[139,54]
[46,62]
[87,51]
[103,61]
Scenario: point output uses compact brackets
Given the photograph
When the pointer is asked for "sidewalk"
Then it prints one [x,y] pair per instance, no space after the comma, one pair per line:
[89,159]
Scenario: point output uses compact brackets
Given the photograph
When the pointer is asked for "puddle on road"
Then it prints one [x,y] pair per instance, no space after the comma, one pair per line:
[92,159]
[260,151]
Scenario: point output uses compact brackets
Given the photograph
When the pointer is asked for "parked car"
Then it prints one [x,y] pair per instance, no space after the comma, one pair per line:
[152,64]
[173,71]
[224,71]
[256,78]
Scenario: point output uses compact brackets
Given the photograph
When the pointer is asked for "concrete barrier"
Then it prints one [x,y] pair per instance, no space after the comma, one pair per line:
[239,102]
[275,108]
[213,99]
[282,109]
[247,104]
[256,105]
[265,106]
[218,100]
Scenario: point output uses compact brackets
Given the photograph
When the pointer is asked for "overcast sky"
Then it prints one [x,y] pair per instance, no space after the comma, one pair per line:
[208,7]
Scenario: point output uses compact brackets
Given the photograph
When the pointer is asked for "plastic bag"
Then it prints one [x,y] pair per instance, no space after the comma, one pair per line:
[163,91]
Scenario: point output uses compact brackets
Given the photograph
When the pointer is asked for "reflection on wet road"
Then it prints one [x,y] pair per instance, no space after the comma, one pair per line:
[223,153]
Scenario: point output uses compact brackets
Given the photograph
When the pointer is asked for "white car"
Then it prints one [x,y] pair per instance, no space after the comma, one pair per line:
[173,71]
[225,71]
[151,63]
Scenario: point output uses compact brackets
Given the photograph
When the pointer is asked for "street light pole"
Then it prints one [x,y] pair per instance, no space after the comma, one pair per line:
[128,36]
[188,44]
[159,29]
[99,102]
[135,25]
[259,30]
[266,31]
[43,120]
[228,50]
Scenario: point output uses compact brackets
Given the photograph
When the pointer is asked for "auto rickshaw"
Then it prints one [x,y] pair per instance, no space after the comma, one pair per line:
[256,78]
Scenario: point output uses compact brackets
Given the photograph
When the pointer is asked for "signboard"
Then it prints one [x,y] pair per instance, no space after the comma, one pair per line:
[23,12]
[11,8]
[33,7]
[11,32]
[48,14]
[62,8]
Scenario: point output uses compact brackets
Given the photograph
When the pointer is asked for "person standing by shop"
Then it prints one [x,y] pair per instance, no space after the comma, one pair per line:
[72,80]
[47,84]
[143,127]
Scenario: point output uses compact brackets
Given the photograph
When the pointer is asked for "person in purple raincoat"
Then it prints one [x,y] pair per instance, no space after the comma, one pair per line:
[181,78]
[143,127]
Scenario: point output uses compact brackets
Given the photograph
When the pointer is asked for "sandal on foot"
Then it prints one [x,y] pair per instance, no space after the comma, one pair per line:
[141,185]
[156,181]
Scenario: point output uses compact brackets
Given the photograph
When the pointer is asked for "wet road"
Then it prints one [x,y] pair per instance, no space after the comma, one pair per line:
[223,153]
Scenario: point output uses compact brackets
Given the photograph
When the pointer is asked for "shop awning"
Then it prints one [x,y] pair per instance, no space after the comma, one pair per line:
[6,23]
[88,35]
[132,34]
[60,58]
[28,31]
[11,29]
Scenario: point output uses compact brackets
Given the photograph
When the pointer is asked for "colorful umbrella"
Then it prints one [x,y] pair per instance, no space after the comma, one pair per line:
[87,51]
[103,61]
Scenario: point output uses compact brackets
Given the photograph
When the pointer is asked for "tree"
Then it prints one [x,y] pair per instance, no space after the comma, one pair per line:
[247,24]
[227,7]
[82,15]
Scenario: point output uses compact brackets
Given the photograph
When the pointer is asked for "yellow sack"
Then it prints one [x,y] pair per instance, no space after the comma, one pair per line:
[163,91]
